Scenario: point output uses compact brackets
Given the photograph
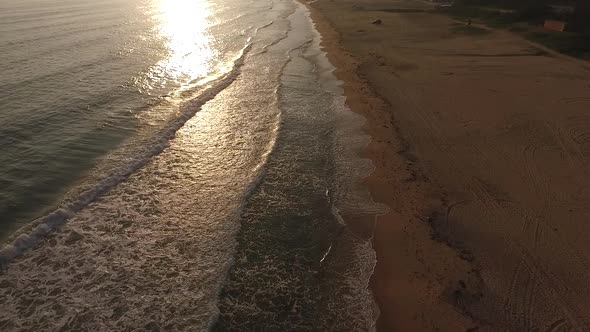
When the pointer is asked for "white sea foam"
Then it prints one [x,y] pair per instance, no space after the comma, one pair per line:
[150,246]
[27,237]
[350,196]
[296,267]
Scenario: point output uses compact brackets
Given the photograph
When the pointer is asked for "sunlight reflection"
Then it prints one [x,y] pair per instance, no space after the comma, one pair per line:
[183,25]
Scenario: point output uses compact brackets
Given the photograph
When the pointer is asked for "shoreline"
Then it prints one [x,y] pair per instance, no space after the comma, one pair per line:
[394,165]
[114,244]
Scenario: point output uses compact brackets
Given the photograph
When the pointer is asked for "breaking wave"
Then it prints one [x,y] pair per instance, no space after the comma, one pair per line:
[30,235]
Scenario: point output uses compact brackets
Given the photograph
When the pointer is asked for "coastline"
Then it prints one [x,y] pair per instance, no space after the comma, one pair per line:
[476,140]
[261,208]
[406,290]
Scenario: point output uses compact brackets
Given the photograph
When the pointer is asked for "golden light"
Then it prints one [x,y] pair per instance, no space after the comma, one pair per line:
[183,25]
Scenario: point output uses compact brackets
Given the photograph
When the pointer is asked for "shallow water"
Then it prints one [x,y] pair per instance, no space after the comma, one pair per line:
[79,77]
[221,207]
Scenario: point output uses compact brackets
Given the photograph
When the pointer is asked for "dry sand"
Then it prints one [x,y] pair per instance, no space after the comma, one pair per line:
[482,148]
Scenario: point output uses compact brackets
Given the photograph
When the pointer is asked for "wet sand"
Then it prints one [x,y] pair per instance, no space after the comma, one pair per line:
[481,143]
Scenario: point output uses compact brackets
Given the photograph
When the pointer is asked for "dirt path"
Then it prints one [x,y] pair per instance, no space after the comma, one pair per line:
[495,139]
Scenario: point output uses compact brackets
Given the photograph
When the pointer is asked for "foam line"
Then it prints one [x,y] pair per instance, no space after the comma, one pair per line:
[28,237]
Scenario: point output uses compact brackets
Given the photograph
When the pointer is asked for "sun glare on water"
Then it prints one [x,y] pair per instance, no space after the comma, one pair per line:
[183,25]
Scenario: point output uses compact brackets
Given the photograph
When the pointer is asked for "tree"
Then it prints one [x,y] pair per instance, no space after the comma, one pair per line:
[531,9]
[581,16]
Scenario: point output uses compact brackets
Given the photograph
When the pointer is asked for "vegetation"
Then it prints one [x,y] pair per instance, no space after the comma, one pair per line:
[580,20]
[571,43]
[526,17]
[503,11]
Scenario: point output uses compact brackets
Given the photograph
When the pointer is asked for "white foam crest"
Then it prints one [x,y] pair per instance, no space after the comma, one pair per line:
[259,172]
[349,196]
[352,198]
[29,236]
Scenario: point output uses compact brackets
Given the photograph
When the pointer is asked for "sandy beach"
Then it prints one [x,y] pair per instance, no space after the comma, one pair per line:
[480,141]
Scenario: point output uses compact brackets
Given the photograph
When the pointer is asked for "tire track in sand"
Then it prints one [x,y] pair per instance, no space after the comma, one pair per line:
[530,278]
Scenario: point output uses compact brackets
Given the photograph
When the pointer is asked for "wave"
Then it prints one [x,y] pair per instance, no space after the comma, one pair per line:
[30,235]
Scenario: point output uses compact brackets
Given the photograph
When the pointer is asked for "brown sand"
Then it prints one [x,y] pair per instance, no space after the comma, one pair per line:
[481,143]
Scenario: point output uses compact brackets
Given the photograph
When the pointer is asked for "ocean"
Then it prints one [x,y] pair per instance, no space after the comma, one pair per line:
[177,165]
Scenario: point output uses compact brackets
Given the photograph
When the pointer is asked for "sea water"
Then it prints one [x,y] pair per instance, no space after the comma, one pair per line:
[177,165]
